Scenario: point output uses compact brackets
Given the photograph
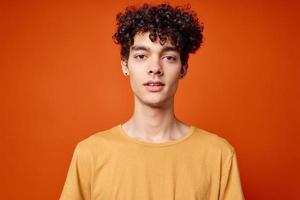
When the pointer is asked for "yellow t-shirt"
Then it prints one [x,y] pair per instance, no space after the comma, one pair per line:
[110,165]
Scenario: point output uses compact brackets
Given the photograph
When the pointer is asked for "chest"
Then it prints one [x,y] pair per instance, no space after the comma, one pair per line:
[156,174]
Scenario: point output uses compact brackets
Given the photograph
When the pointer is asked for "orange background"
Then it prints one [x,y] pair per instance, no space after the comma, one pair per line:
[61,81]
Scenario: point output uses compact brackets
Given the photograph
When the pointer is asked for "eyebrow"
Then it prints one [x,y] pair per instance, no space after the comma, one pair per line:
[143,48]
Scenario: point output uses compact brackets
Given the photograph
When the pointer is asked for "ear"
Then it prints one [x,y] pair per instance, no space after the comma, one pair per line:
[124,67]
[183,70]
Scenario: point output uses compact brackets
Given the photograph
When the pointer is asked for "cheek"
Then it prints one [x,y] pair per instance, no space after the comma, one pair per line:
[173,80]
[173,76]
[174,86]
[136,81]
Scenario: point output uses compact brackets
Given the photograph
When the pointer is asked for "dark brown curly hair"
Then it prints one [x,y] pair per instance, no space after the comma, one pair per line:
[178,24]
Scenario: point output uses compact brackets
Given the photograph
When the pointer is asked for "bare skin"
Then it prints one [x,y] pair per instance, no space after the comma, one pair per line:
[153,119]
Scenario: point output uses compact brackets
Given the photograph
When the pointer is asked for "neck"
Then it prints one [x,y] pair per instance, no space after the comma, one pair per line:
[156,124]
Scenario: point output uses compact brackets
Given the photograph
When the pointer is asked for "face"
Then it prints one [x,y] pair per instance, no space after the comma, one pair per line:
[154,71]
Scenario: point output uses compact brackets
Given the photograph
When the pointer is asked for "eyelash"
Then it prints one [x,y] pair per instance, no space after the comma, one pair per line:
[138,57]
[169,58]
[172,58]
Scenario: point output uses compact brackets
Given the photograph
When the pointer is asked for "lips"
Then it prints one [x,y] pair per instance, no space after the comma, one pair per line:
[154,86]
[154,83]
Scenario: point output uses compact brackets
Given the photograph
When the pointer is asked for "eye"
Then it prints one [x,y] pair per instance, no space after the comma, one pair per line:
[140,57]
[170,58]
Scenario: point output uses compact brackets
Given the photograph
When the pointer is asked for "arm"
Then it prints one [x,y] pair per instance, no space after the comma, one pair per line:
[231,188]
[78,181]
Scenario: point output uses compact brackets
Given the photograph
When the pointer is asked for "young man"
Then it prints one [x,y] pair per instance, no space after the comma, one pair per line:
[154,156]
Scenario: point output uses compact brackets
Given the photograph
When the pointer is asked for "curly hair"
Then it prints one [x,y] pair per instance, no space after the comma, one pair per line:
[178,24]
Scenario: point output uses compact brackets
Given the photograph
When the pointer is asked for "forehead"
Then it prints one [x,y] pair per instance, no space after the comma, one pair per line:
[142,39]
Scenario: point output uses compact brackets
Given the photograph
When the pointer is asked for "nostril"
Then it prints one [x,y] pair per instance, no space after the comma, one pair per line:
[156,72]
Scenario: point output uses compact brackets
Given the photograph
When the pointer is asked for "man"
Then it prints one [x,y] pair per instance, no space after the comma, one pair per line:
[154,156]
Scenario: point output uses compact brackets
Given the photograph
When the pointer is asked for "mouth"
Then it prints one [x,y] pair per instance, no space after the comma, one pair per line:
[154,86]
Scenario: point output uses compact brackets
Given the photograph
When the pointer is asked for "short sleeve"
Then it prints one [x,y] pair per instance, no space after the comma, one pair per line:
[230,181]
[78,182]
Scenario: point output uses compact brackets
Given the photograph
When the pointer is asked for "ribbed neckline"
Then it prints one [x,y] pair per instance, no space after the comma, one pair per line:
[189,133]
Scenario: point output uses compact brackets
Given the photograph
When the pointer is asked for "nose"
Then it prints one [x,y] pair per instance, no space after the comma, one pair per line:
[155,69]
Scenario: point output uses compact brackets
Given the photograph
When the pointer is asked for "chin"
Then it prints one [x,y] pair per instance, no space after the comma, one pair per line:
[155,102]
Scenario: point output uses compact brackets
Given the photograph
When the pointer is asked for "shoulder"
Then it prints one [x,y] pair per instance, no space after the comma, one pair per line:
[97,141]
[213,142]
